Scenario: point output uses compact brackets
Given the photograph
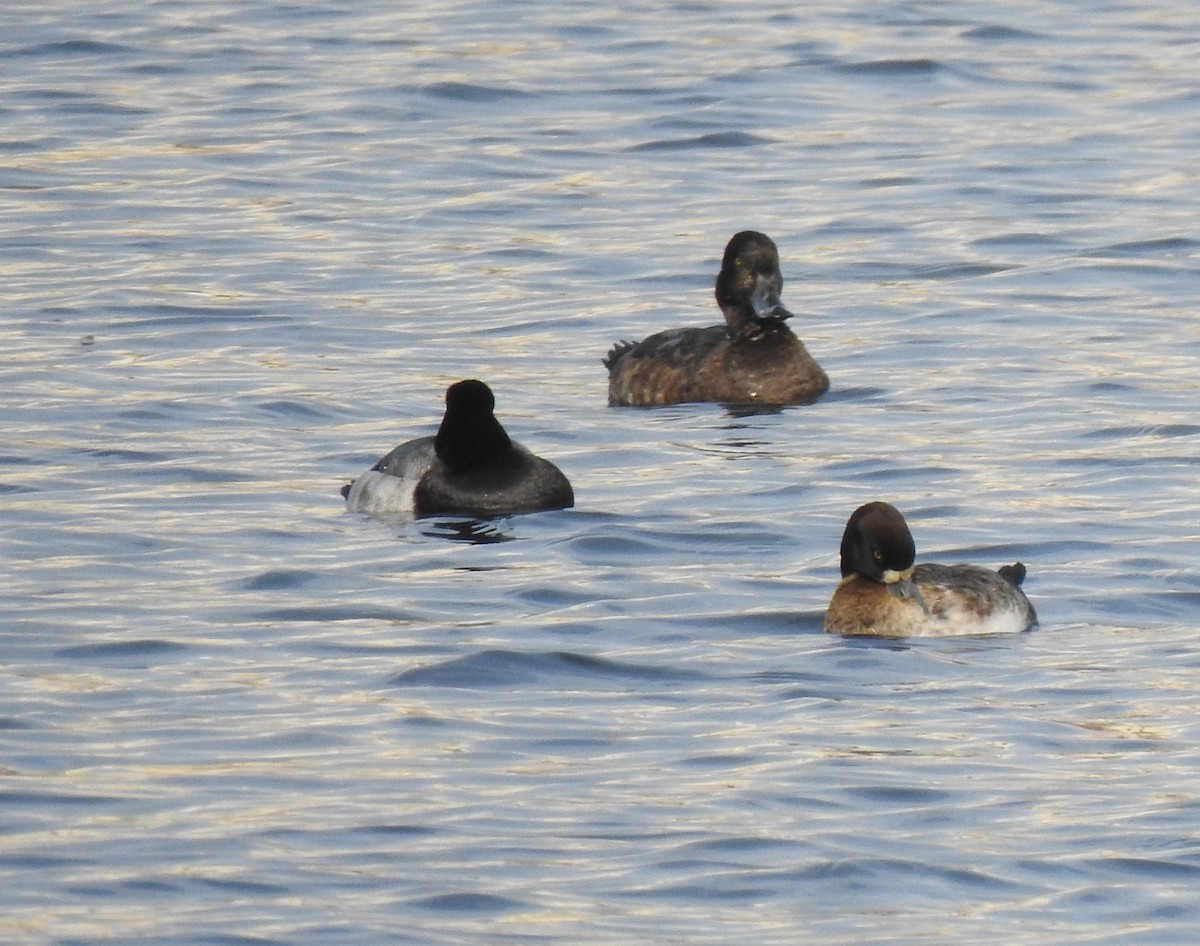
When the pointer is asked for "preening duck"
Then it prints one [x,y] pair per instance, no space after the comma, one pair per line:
[883,594]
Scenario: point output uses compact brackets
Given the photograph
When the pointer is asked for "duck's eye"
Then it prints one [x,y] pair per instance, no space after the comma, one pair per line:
[877,555]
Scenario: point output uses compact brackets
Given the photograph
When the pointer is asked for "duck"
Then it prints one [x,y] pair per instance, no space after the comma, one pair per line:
[471,467]
[882,594]
[754,358]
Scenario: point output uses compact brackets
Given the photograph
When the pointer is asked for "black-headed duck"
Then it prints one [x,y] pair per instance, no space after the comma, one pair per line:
[470,468]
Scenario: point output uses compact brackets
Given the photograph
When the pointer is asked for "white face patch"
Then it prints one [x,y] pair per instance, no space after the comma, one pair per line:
[891,576]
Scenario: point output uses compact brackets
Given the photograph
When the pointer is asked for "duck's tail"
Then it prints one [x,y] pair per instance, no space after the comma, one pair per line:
[1013,574]
[616,353]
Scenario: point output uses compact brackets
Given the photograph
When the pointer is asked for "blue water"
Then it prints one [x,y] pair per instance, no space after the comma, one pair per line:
[246,247]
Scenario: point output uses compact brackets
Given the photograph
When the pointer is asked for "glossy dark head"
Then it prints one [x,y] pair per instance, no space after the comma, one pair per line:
[877,544]
[750,284]
[470,396]
[469,434]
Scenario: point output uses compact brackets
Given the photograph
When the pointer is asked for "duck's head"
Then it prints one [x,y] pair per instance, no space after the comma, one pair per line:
[750,284]
[877,546]
[469,434]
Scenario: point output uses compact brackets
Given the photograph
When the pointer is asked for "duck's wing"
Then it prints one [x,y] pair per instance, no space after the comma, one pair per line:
[661,369]
[388,486]
[410,460]
[967,596]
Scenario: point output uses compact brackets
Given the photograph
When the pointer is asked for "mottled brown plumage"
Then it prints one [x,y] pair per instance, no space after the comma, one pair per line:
[754,358]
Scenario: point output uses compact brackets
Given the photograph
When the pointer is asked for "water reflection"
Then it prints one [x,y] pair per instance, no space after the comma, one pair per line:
[473,531]
[738,411]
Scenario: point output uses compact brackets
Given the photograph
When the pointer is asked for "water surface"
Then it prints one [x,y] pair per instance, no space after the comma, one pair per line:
[246,247]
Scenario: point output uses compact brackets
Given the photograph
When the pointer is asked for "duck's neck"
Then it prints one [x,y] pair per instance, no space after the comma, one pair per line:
[466,443]
[745,326]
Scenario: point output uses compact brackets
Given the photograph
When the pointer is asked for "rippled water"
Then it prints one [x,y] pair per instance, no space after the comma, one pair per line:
[245,248]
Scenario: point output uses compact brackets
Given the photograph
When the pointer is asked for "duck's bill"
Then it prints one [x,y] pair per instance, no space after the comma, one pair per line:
[901,585]
[766,301]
